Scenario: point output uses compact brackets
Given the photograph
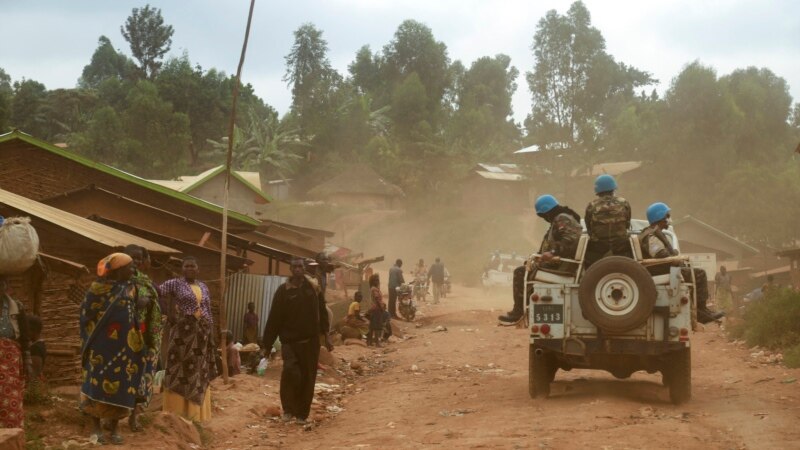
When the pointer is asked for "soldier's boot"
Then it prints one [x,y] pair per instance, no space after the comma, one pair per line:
[705,315]
[515,314]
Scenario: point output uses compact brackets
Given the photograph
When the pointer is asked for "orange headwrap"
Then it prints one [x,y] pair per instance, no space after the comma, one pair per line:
[112,262]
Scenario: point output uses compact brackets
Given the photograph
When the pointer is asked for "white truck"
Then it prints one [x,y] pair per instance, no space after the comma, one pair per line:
[614,316]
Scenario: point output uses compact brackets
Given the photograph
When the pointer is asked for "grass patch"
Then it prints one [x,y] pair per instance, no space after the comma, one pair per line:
[772,323]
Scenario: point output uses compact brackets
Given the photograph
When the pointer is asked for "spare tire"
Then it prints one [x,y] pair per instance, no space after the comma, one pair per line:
[617,294]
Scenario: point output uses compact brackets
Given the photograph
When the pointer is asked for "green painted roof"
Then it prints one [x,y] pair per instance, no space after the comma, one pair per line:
[221,169]
[16,134]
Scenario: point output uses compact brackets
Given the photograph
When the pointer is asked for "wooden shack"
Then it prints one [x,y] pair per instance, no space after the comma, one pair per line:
[359,186]
[53,289]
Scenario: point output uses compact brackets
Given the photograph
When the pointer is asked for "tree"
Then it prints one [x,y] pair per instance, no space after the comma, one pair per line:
[265,144]
[148,37]
[482,125]
[365,71]
[106,63]
[308,70]
[6,97]
[158,135]
[203,97]
[763,135]
[415,50]
[104,139]
[26,108]
[572,79]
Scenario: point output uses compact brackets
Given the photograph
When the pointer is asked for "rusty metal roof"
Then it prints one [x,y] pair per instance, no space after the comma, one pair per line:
[97,232]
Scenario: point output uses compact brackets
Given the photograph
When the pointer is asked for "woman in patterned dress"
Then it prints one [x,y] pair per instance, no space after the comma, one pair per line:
[112,353]
[190,365]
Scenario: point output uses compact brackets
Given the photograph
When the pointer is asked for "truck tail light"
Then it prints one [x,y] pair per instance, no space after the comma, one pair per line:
[684,300]
[535,297]
[545,329]
[535,329]
[684,335]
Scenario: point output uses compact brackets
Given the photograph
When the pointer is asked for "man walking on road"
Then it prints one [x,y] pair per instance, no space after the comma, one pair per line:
[298,316]
[436,274]
[395,280]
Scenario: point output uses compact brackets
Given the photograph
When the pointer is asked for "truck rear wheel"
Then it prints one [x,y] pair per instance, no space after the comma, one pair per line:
[617,294]
[541,371]
[679,377]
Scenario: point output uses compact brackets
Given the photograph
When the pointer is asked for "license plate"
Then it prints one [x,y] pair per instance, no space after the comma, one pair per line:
[548,313]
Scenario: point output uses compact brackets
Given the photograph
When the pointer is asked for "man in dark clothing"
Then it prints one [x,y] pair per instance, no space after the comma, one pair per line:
[608,219]
[395,280]
[436,274]
[560,240]
[298,316]
[656,245]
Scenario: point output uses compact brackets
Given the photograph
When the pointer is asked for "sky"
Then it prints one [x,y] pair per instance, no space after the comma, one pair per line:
[52,40]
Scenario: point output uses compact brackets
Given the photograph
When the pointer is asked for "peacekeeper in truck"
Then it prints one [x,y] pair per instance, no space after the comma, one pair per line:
[656,245]
[560,240]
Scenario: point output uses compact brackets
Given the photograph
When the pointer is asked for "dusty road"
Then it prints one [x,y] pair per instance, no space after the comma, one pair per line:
[467,387]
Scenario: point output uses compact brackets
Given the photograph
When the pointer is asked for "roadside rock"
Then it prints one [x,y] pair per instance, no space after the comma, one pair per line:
[396,330]
[326,358]
[177,431]
[355,342]
[12,438]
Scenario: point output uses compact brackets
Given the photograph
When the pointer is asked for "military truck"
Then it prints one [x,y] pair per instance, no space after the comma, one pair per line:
[614,316]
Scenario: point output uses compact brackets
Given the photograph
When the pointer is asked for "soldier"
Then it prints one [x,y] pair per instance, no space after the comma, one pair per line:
[656,245]
[608,219]
[560,240]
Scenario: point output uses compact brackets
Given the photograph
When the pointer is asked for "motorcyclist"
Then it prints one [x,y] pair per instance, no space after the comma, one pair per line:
[656,245]
[560,240]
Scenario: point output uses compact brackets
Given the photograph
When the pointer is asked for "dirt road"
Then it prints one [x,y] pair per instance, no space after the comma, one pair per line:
[467,387]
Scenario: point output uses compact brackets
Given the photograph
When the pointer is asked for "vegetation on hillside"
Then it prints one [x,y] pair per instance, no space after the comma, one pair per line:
[422,120]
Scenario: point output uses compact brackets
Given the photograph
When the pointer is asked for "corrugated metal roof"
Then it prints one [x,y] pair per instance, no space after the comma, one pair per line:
[500,176]
[22,136]
[615,168]
[97,232]
[500,168]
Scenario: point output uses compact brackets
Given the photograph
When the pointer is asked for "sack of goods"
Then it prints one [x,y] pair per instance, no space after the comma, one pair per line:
[19,245]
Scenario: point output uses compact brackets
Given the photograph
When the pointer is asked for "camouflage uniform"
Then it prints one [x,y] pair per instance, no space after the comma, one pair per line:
[562,240]
[656,245]
[608,219]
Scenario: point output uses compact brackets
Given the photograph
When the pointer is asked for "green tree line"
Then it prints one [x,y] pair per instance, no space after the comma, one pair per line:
[423,120]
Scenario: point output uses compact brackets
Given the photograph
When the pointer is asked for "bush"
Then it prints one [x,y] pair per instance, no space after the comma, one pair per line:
[791,357]
[773,323]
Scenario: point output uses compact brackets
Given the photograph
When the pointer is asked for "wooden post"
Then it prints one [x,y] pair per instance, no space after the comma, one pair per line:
[223,316]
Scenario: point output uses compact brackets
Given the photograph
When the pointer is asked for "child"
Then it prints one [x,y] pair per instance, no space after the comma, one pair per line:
[234,361]
[354,319]
[37,348]
[250,324]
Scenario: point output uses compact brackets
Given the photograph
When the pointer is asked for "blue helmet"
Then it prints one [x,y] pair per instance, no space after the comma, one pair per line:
[545,203]
[657,212]
[605,183]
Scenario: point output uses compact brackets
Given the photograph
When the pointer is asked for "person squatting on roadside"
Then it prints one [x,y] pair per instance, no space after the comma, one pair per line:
[298,316]
[395,279]
[656,245]
[560,240]
[608,219]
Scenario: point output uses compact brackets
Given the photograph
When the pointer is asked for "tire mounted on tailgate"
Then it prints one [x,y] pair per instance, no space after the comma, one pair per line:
[617,294]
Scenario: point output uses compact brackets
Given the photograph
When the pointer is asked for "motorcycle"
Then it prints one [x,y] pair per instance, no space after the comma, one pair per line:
[405,301]
[445,287]
[420,288]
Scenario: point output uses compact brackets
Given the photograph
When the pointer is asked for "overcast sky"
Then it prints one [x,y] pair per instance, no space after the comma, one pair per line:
[51,41]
